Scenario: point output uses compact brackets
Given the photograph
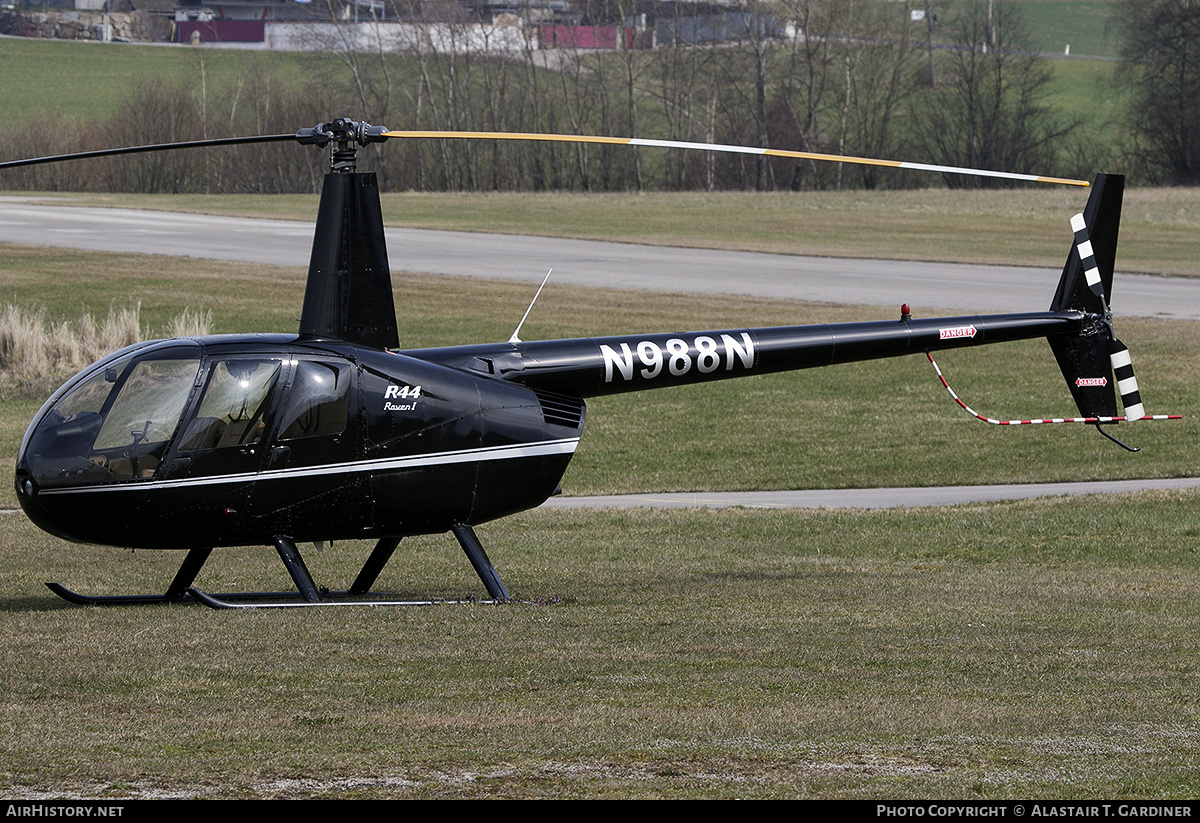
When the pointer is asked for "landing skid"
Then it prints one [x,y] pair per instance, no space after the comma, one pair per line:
[307,593]
[112,600]
[221,601]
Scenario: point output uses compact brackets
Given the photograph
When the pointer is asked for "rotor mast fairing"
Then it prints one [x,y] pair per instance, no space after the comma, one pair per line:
[348,296]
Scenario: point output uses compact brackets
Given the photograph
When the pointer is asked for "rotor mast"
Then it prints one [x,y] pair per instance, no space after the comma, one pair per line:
[348,295]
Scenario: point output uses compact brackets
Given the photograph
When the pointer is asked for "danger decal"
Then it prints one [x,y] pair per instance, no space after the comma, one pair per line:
[955,332]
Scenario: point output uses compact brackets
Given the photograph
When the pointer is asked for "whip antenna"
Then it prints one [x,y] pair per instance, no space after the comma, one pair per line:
[514,338]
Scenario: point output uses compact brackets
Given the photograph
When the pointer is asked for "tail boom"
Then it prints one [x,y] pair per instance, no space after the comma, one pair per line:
[590,367]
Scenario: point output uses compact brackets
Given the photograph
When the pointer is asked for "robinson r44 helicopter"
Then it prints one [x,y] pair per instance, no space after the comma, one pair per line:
[336,433]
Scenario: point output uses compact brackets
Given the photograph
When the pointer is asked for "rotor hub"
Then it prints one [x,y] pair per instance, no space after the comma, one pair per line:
[343,136]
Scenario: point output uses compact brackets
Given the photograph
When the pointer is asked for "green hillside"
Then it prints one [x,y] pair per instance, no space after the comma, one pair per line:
[53,85]
[84,80]
[1085,26]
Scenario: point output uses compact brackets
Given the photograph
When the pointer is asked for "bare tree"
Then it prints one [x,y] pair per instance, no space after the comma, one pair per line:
[1161,47]
[155,113]
[685,101]
[850,64]
[992,111]
[741,41]
[807,89]
[881,66]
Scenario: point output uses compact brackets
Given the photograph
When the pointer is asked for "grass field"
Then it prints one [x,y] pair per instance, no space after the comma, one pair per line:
[1042,649]
[1085,26]
[83,80]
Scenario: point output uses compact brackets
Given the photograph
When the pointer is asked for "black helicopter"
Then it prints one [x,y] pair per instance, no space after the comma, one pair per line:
[336,433]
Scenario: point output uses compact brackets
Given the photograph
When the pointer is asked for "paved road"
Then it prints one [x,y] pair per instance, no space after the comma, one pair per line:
[927,286]
[864,498]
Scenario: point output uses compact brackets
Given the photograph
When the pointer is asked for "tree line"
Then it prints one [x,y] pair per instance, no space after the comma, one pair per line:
[853,77]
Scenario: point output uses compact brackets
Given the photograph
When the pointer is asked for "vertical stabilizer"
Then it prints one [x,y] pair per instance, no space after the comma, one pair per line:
[1102,217]
[1086,284]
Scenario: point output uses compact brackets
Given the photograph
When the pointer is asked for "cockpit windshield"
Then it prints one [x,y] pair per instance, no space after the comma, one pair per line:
[116,424]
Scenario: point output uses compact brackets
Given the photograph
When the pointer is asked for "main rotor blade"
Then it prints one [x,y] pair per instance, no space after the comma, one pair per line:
[719,147]
[191,144]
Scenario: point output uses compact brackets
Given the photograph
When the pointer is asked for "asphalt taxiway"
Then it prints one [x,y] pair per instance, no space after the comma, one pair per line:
[927,287]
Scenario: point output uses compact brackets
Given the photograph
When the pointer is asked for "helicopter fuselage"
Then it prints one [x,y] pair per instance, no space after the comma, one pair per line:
[233,440]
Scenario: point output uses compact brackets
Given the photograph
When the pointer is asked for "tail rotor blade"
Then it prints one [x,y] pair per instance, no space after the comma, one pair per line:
[1127,385]
[1087,257]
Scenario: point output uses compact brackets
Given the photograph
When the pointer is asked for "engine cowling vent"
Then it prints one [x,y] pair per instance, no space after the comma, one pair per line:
[560,409]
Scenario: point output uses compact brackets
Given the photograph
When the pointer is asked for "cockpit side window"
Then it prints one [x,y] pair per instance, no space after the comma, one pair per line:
[318,404]
[233,410]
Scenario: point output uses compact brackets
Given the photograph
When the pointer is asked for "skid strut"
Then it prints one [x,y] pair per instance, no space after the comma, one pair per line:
[307,592]
[380,555]
[479,559]
[291,558]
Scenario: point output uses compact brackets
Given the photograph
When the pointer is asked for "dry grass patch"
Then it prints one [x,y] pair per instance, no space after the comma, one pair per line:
[37,354]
